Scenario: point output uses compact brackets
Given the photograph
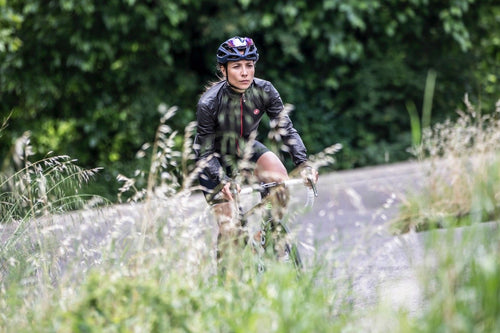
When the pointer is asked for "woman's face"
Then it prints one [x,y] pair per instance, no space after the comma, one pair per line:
[239,74]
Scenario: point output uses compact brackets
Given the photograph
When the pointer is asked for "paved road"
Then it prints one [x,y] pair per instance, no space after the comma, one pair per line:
[349,222]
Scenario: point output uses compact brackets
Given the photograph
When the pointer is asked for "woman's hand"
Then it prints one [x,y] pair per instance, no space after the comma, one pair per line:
[309,174]
[228,191]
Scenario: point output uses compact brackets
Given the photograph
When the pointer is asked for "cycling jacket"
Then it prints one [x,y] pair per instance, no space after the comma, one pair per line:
[226,120]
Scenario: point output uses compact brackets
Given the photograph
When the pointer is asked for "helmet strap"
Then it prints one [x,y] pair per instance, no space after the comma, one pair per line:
[227,79]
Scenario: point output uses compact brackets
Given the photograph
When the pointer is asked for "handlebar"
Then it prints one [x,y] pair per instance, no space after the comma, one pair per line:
[290,182]
[263,187]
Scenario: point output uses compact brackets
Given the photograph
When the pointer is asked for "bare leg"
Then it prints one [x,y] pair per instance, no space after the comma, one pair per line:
[230,237]
[269,168]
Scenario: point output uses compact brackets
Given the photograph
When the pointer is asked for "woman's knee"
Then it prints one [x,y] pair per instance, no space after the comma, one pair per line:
[270,168]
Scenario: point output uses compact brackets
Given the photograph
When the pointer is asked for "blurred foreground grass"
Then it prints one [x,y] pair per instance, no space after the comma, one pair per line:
[150,267]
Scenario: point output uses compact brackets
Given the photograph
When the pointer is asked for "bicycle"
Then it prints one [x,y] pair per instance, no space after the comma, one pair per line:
[273,238]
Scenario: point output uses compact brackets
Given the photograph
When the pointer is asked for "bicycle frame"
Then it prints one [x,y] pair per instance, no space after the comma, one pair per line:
[265,187]
[272,231]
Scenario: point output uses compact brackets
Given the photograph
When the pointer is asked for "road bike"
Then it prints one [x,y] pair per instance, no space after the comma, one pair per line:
[272,239]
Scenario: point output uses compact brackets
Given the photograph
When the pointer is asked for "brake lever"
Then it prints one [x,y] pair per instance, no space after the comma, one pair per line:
[313,186]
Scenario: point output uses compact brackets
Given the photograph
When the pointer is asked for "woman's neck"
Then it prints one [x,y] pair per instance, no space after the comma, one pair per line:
[234,89]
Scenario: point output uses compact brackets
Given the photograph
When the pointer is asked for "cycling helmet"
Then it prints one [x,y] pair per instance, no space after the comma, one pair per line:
[231,50]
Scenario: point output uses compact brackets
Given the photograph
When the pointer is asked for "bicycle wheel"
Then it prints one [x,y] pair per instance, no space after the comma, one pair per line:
[285,248]
[276,240]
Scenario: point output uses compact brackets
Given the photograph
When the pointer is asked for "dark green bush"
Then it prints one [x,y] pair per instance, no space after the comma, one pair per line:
[86,77]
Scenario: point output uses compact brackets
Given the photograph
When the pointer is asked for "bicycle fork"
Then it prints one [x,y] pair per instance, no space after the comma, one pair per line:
[271,240]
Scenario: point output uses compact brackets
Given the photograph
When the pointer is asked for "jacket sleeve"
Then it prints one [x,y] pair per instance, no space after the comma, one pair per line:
[282,127]
[207,157]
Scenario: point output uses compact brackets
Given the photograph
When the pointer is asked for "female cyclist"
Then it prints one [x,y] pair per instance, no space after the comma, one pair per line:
[228,116]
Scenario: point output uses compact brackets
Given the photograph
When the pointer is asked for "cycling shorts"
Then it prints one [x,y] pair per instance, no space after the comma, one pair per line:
[208,184]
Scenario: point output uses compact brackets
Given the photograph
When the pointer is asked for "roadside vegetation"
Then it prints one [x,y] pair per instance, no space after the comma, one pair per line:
[149,266]
[461,163]
[87,75]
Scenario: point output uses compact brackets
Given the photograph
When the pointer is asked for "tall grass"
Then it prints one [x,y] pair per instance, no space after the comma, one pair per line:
[418,124]
[461,278]
[32,192]
[149,266]
[32,189]
[462,173]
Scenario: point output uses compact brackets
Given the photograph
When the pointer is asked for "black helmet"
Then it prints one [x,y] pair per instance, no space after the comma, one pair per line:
[231,50]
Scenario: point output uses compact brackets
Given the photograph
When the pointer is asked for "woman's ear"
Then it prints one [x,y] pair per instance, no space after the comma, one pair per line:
[222,70]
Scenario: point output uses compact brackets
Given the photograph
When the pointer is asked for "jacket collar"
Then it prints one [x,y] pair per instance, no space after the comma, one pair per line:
[234,93]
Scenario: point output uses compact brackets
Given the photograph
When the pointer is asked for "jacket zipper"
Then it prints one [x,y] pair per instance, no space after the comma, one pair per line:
[242,100]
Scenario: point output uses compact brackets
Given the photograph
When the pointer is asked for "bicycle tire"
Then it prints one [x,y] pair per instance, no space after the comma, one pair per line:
[290,248]
[275,240]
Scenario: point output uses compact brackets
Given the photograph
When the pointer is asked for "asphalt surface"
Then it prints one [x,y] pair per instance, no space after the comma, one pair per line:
[349,226]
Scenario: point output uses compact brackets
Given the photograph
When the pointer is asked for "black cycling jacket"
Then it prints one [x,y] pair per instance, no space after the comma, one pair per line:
[226,120]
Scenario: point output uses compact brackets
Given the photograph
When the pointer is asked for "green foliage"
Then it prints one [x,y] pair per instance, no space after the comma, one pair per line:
[86,77]
[418,124]
[9,22]
[276,302]
[463,291]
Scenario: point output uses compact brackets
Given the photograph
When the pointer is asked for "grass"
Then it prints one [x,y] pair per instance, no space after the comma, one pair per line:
[149,266]
[464,289]
[462,174]
[48,186]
